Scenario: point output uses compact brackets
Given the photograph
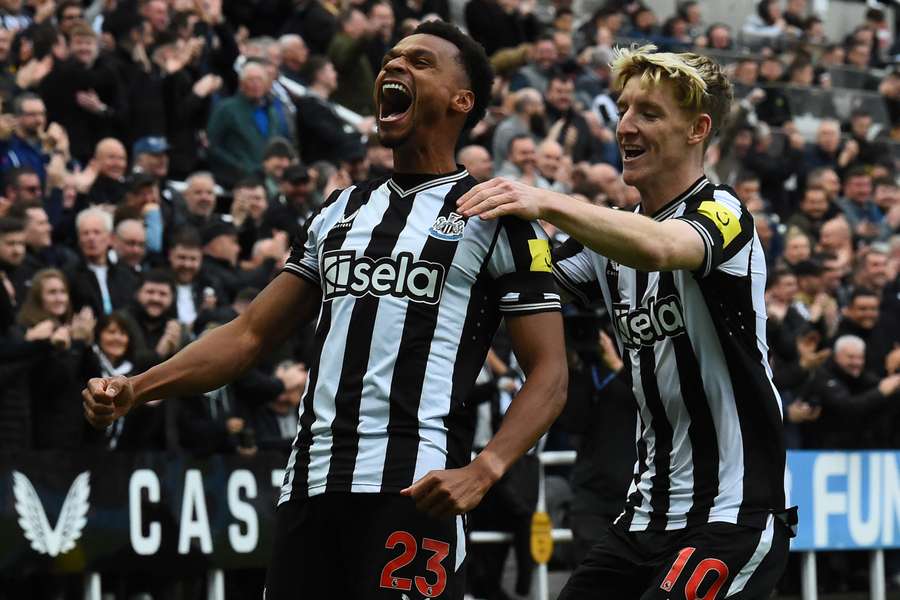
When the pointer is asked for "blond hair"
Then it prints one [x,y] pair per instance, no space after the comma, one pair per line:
[699,83]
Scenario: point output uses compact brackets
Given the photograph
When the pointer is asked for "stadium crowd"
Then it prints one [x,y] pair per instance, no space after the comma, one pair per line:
[158,157]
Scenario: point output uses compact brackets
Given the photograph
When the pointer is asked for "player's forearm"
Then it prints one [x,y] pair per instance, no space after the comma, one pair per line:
[207,364]
[629,239]
[533,410]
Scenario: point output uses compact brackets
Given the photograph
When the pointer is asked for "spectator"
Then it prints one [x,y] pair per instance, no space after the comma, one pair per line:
[12,255]
[498,24]
[150,155]
[813,211]
[381,19]
[828,180]
[130,245]
[527,119]
[477,162]
[278,156]
[313,23]
[521,163]
[887,199]
[95,281]
[767,23]
[30,145]
[40,252]
[23,185]
[543,57]
[860,210]
[869,151]
[240,126]
[68,14]
[248,207]
[718,37]
[83,94]
[193,292]
[827,150]
[571,130]
[220,261]
[348,54]
[294,204]
[323,134]
[275,422]
[862,318]
[811,303]
[199,202]
[156,14]
[55,383]
[155,315]
[797,248]
[553,165]
[872,270]
[835,238]
[294,55]
[795,14]
[857,405]
[110,165]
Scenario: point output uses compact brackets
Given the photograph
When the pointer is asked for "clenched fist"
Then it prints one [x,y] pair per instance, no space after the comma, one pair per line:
[106,399]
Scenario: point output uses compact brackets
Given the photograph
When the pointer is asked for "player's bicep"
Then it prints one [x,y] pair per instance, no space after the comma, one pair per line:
[284,304]
[724,227]
[538,342]
[687,249]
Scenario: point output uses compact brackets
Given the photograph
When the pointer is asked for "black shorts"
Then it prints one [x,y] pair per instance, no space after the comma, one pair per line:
[364,546]
[706,562]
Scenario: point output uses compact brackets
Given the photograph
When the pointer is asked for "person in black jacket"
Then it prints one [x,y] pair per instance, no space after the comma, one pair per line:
[313,23]
[863,318]
[220,261]
[857,407]
[94,280]
[323,135]
[497,24]
[156,318]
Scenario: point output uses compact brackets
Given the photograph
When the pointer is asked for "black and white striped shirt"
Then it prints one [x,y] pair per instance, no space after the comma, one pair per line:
[709,437]
[412,294]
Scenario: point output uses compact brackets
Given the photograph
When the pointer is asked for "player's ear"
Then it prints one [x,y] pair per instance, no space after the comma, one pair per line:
[463,101]
[701,129]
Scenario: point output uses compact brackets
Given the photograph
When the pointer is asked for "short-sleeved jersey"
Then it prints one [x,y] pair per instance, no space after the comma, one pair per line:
[710,445]
[412,294]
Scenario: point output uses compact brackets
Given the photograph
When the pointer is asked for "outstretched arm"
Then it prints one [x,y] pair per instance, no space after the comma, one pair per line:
[627,238]
[215,359]
[539,346]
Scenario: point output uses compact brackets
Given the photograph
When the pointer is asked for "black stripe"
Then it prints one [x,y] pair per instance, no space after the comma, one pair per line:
[702,430]
[360,329]
[412,361]
[571,247]
[730,304]
[662,429]
[333,241]
[519,232]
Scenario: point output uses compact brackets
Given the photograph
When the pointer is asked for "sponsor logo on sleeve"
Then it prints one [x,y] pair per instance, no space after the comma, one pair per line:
[540,256]
[725,221]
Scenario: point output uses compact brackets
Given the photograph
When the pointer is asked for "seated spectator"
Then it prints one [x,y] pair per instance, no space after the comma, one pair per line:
[862,318]
[767,23]
[95,281]
[110,164]
[857,406]
[193,291]
[870,151]
[241,125]
[55,384]
[156,317]
[827,151]
[643,24]
[801,73]
[348,54]
[40,251]
[745,78]
[718,37]
[797,248]
[858,207]
[498,24]
[477,162]
[527,118]
[543,58]
[775,107]
[322,133]
[521,163]
[572,130]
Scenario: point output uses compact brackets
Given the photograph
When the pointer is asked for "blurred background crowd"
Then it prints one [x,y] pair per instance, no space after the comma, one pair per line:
[157,157]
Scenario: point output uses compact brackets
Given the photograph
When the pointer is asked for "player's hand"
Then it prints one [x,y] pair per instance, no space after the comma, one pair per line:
[106,399]
[499,197]
[451,491]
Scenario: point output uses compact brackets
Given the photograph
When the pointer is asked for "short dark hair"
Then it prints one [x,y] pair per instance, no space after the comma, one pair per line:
[314,64]
[187,237]
[744,177]
[516,138]
[65,4]
[12,176]
[860,292]
[11,225]
[247,183]
[474,61]
[21,99]
[857,171]
[159,275]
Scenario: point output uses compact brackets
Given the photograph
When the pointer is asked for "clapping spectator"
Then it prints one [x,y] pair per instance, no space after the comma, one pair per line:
[156,317]
[40,251]
[543,57]
[347,53]
[104,178]
[130,245]
[858,207]
[193,292]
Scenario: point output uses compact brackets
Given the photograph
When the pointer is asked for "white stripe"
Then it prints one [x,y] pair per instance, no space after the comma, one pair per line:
[533,306]
[460,543]
[428,184]
[762,548]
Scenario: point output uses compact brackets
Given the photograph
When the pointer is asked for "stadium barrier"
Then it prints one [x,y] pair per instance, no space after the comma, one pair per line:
[99,512]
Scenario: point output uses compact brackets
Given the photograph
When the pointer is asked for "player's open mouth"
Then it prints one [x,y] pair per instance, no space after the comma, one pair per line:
[630,152]
[396,101]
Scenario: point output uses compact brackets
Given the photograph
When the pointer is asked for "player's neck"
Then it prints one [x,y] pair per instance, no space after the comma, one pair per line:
[434,158]
[667,186]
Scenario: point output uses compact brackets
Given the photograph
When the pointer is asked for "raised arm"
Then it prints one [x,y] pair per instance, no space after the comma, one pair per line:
[215,359]
[627,238]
